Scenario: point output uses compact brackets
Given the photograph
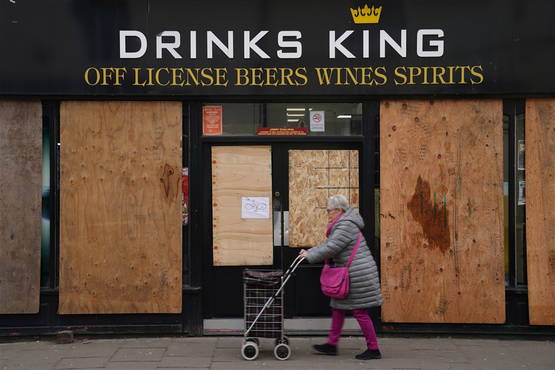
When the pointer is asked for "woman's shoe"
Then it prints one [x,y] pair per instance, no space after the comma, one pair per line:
[369,354]
[326,349]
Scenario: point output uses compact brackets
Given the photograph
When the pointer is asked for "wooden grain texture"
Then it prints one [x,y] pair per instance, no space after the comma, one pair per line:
[120,215]
[314,176]
[20,206]
[540,209]
[441,181]
[237,172]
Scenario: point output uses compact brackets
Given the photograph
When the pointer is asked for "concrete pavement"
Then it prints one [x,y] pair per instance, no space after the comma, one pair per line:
[223,353]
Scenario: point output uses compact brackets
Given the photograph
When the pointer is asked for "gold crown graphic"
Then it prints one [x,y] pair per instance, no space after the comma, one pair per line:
[366,14]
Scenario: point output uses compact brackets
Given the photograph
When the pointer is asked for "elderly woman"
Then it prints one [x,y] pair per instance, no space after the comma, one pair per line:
[342,233]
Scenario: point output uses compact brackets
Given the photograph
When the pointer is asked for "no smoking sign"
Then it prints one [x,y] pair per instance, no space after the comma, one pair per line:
[317,121]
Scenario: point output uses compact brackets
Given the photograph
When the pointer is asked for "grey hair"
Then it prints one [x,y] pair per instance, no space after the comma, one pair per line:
[338,202]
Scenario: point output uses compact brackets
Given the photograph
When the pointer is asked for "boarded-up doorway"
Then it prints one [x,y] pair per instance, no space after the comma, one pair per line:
[241,180]
[314,176]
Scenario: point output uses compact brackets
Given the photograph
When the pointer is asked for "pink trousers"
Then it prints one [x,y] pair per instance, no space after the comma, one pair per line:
[364,321]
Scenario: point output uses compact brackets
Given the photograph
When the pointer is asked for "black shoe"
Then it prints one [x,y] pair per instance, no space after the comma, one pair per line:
[326,349]
[369,354]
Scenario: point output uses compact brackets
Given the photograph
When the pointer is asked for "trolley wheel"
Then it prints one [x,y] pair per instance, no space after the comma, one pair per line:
[281,340]
[249,350]
[282,351]
[253,339]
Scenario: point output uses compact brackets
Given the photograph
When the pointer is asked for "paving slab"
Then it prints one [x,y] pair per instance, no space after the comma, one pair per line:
[202,349]
[236,366]
[81,363]
[232,354]
[232,342]
[185,361]
[86,349]
[145,342]
[197,340]
[131,366]
[29,364]
[138,354]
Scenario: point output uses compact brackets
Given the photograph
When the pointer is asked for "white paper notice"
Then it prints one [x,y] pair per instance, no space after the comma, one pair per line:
[317,121]
[255,207]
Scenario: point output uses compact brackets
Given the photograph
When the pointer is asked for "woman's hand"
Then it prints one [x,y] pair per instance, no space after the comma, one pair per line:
[303,253]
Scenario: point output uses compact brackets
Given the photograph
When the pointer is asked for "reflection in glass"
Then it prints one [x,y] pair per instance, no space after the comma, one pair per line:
[520,224]
[336,119]
[45,221]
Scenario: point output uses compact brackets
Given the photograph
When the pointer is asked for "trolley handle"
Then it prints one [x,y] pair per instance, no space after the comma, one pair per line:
[296,262]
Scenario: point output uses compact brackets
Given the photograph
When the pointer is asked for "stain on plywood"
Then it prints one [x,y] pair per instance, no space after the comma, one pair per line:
[20,206]
[441,211]
[314,176]
[540,210]
[238,172]
[120,220]
[430,211]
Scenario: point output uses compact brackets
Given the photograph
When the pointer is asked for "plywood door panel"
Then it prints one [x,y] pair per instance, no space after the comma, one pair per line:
[120,221]
[237,172]
[20,206]
[441,184]
[314,176]
[540,209]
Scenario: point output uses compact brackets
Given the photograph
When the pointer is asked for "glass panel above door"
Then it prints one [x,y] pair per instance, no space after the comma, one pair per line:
[295,119]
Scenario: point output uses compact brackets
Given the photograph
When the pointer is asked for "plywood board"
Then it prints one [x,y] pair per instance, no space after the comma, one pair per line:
[237,172]
[314,176]
[441,182]
[540,209]
[20,206]
[120,216]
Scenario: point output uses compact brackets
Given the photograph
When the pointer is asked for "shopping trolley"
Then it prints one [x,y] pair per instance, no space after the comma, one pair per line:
[263,304]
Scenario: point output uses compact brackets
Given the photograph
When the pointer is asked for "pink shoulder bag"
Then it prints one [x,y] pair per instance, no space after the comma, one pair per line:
[335,280]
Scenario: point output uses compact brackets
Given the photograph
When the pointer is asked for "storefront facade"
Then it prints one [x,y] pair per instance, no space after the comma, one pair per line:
[177,143]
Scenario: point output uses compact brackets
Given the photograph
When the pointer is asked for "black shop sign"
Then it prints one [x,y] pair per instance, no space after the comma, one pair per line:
[207,48]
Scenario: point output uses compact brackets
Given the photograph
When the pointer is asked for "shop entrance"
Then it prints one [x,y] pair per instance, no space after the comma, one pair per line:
[264,203]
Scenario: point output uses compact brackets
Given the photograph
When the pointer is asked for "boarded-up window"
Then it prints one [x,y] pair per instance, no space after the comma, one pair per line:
[540,209]
[120,216]
[314,176]
[241,205]
[20,206]
[442,211]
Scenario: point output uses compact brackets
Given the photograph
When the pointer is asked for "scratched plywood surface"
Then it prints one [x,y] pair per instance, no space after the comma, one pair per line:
[441,183]
[120,220]
[540,209]
[314,176]
[20,206]
[238,172]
